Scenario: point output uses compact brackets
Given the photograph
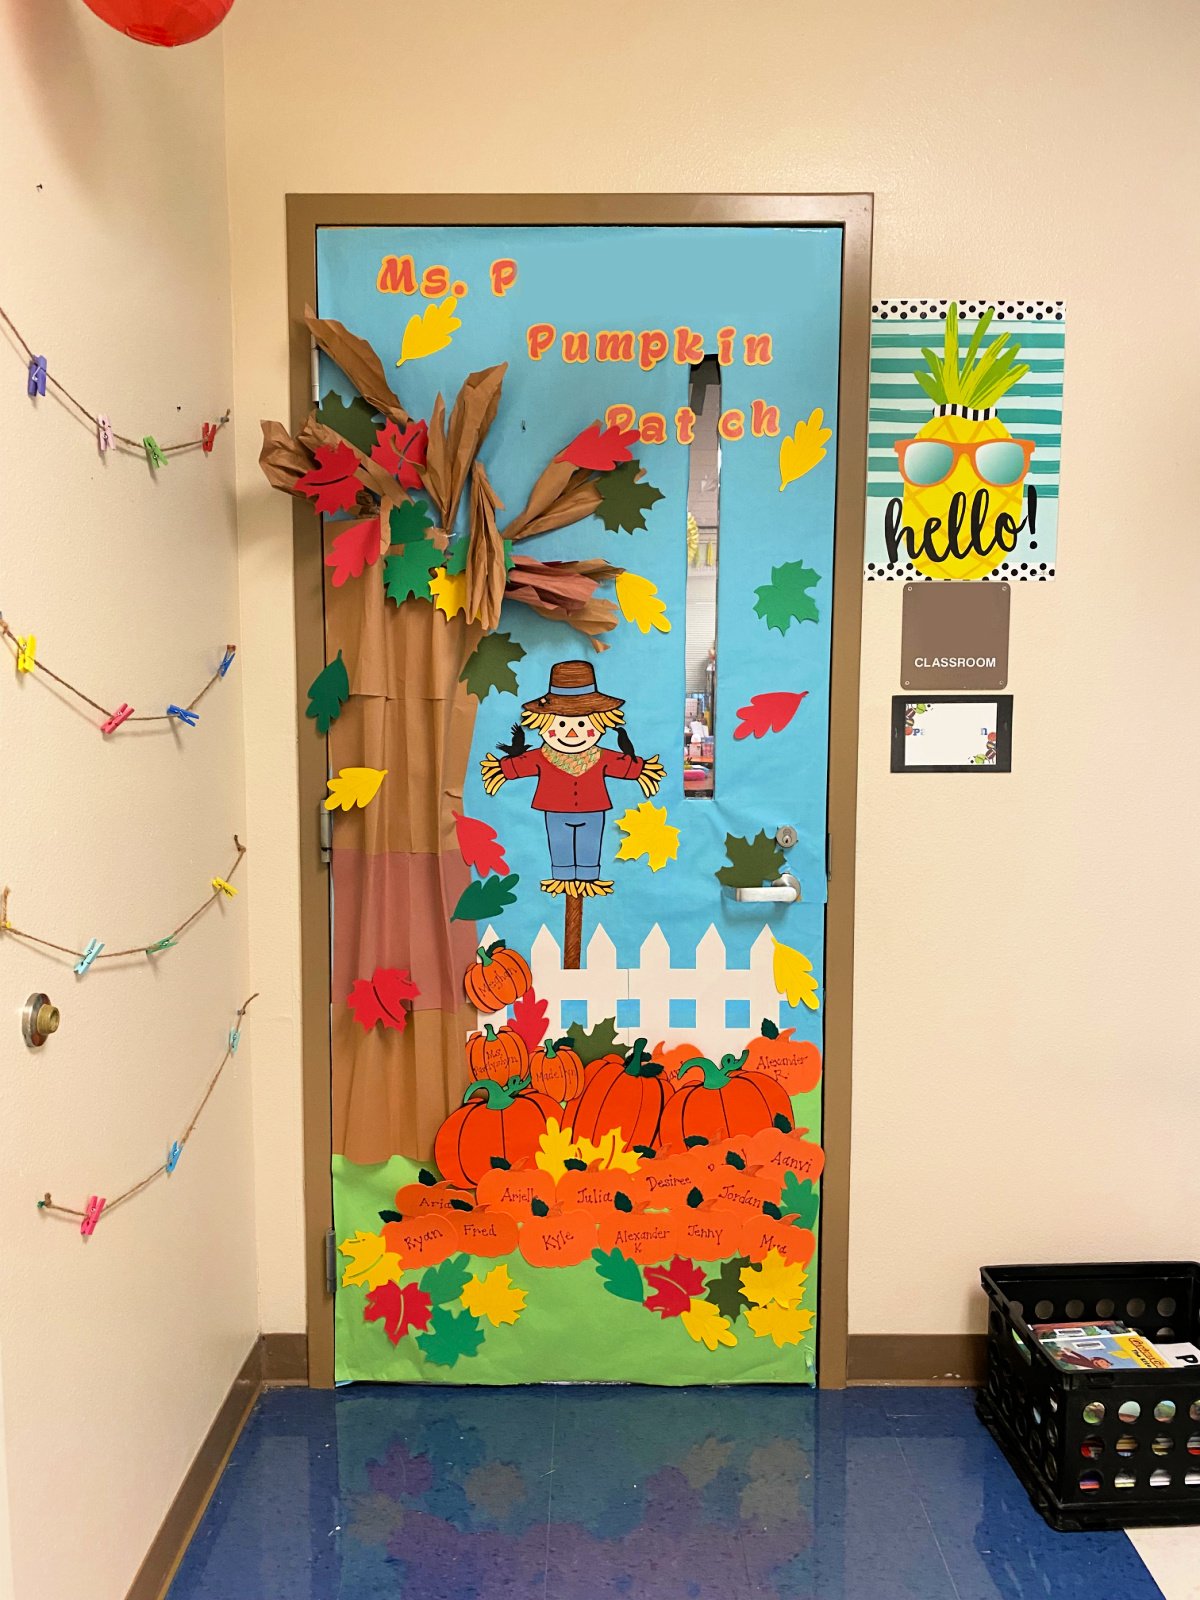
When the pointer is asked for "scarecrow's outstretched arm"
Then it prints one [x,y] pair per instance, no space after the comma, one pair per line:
[493,777]
[652,774]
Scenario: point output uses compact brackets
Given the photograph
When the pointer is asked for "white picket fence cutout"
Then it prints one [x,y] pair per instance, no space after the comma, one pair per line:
[654,983]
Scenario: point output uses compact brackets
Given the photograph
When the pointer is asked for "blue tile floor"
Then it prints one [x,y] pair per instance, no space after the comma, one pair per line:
[654,1494]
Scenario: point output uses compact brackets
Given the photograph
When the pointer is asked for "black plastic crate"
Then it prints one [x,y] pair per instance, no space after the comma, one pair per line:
[1096,1449]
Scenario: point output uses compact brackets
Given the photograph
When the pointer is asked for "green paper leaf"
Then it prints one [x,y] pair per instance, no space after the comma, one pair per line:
[786,599]
[620,1276]
[725,1290]
[479,902]
[751,861]
[623,500]
[408,521]
[450,1336]
[799,1201]
[456,556]
[591,1045]
[328,692]
[445,1282]
[406,570]
[490,666]
[356,422]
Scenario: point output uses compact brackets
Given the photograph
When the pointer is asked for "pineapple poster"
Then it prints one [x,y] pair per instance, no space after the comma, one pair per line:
[576,1076]
[965,433]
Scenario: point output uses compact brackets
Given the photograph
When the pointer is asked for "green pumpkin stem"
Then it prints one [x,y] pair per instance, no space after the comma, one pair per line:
[717,1075]
[639,1065]
[498,1096]
[489,1033]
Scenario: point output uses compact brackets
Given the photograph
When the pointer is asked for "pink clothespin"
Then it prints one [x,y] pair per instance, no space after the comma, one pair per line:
[208,436]
[104,434]
[120,715]
[91,1216]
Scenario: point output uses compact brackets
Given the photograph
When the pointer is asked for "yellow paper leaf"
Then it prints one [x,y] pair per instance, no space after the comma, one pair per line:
[774,1281]
[648,833]
[707,1326]
[429,331]
[494,1297]
[353,786]
[449,591]
[555,1149]
[793,975]
[639,603]
[610,1155]
[781,1323]
[806,447]
[371,1262]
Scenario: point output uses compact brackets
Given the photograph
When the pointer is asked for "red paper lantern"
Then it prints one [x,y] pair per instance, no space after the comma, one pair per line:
[165,22]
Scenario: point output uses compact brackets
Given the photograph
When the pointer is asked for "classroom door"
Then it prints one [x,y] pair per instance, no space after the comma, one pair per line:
[578,615]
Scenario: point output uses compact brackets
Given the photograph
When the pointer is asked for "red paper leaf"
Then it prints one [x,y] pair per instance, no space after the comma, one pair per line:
[399,1307]
[531,1019]
[479,847]
[675,1287]
[332,485]
[597,451]
[381,997]
[400,451]
[356,547]
[767,713]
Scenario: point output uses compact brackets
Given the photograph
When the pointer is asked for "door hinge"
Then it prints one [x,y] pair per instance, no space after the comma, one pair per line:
[330,1262]
[325,834]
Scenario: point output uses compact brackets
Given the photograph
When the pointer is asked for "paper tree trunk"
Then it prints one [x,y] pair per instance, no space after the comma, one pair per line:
[397,872]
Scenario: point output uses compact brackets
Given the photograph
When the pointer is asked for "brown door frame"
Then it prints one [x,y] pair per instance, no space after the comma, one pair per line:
[853,214]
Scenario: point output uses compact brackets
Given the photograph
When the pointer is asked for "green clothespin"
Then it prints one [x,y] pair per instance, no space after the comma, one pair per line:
[154,455]
[159,944]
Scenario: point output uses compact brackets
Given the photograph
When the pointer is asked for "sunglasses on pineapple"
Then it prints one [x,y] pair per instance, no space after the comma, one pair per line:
[998,462]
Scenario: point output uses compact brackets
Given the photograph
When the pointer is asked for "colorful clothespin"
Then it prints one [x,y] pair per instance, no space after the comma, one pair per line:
[235,1039]
[208,436]
[91,1215]
[182,714]
[227,659]
[26,650]
[221,887]
[160,944]
[154,455]
[88,956]
[37,375]
[120,715]
[173,1155]
[104,435]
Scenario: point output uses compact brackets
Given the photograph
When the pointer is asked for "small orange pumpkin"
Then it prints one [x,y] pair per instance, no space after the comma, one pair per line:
[795,1244]
[795,1064]
[587,1191]
[418,1197]
[425,1240]
[556,1070]
[515,1192]
[725,1100]
[779,1153]
[622,1092]
[500,1056]
[497,978]
[676,1058]
[558,1239]
[487,1233]
[709,1235]
[505,1120]
[644,1236]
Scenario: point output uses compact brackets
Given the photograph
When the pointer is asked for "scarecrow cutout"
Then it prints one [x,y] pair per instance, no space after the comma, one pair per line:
[572,769]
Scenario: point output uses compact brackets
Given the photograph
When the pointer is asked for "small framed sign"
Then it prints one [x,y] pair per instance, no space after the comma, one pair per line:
[952,733]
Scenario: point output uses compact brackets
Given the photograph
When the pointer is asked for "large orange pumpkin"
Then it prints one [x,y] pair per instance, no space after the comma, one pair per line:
[795,1064]
[623,1092]
[502,1120]
[561,1239]
[556,1070]
[497,978]
[725,1100]
[501,1056]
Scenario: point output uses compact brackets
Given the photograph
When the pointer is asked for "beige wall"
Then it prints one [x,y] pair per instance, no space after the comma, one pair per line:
[116,1352]
[1027,947]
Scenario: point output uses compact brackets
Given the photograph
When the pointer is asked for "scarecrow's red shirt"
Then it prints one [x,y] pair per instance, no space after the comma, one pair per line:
[559,789]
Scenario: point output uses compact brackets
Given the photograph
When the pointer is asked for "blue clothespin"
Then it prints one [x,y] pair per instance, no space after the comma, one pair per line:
[182,714]
[37,375]
[173,1155]
[235,1038]
[88,956]
[227,659]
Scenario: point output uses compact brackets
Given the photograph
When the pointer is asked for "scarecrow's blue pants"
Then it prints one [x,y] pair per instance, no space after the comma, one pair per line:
[575,838]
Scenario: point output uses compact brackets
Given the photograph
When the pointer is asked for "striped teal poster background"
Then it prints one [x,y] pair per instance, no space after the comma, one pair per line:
[1032,409]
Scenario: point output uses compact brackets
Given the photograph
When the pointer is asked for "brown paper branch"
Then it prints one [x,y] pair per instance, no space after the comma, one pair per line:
[486,575]
[453,447]
[562,495]
[359,362]
[282,459]
[565,591]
